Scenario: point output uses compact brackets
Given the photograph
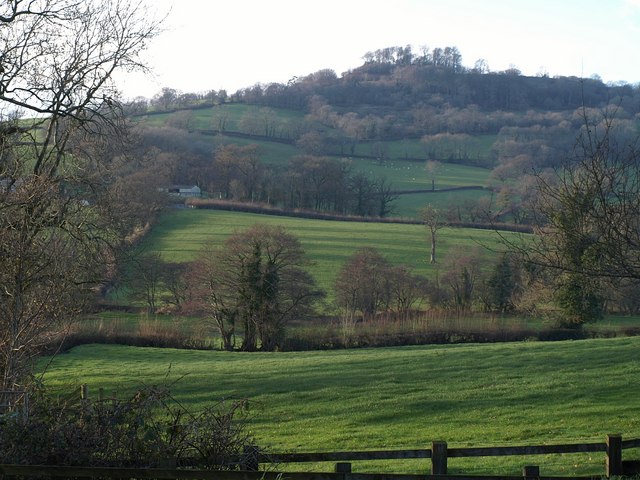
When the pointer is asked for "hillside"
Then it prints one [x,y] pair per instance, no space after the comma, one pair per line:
[397,126]
[395,137]
[180,235]
[401,169]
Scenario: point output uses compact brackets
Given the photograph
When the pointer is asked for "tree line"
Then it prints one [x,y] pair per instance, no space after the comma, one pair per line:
[239,173]
[393,78]
[400,76]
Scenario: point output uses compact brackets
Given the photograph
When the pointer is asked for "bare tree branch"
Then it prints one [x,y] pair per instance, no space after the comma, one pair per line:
[57,59]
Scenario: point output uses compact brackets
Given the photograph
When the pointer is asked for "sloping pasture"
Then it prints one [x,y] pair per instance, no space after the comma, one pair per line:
[180,234]
[398,398]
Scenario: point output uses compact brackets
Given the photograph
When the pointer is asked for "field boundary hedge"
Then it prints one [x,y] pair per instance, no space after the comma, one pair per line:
[263,209]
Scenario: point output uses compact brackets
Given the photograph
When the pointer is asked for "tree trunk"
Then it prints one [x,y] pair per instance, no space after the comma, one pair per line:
[432,258]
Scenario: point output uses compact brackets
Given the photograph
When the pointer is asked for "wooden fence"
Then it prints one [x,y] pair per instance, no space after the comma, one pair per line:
[439,453]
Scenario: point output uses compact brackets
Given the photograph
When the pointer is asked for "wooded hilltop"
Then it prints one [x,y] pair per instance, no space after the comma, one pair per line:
[507,123]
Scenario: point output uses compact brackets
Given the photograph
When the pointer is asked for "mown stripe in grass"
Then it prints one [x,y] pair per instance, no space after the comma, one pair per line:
[179,235]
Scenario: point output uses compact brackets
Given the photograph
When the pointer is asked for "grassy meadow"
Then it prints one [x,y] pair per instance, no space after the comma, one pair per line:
[386,398]
[231,114]
[522,393]
[478,148]
[180,234]
[408,205]
[401,174]
[408,175]
[398,398]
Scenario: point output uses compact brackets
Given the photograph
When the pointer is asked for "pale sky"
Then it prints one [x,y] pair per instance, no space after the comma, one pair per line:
[214,45]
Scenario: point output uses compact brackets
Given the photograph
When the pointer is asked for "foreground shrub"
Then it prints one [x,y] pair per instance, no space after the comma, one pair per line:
[150,429]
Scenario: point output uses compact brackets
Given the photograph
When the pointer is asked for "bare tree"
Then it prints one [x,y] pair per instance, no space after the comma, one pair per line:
[432,218]
[432,168]
[175,283]
[587,214]
[362,284]
[385,196]
[135,199]
[368,284]
[212,292]
[250,171]
[57,60]
[146,280]
[408,290]
[258,280]
[462,272]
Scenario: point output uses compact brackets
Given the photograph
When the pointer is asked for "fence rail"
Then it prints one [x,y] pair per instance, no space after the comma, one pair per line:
[526,450]
[343,456]
[166,474]
[438,453]
[426,453]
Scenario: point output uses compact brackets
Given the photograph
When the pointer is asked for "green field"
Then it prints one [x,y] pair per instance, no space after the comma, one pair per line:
[401,174]
[399,398]
[407,175]
[408,205]
[271,153]
[180,234]
[478,147]
[209,118]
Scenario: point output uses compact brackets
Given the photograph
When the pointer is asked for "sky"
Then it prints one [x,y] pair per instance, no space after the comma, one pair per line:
[233,44]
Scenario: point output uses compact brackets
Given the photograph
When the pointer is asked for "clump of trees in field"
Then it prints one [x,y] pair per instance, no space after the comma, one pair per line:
[258,282]
[255,284]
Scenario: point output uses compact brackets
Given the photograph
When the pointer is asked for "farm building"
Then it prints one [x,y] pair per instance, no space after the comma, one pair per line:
[185,191]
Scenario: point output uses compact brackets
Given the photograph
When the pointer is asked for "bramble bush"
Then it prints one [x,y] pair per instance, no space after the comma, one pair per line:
[150,429]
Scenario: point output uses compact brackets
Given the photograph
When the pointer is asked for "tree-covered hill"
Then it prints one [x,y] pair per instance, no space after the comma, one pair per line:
[403,86]
[398,106]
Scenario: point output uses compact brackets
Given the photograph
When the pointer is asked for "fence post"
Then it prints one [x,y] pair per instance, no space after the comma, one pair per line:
[438,458]
[613,463]
[84,396]
[343,467]
[250,458]
[530,472]
[25,407]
